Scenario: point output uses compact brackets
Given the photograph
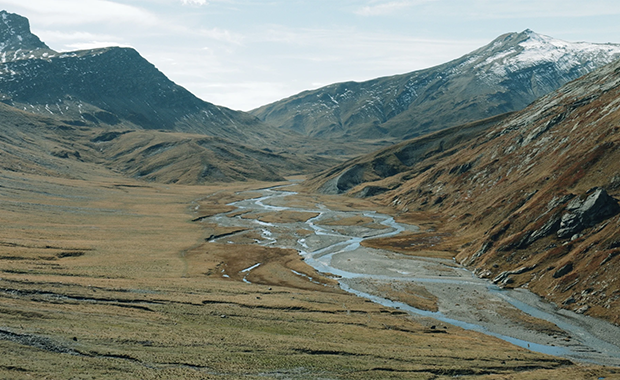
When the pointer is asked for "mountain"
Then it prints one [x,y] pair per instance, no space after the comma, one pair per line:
[503,76]
[184,158]
[111,87]
[112,108]
[397,160]
[530,200]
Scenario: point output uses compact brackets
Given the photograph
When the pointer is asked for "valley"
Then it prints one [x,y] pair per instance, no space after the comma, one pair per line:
[457,221]
[504,199]
[112,277]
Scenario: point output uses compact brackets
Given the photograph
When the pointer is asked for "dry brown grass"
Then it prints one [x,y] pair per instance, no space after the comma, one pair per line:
[417,244]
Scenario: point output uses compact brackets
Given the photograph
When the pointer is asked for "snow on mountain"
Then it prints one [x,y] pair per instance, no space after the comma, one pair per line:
[536,49]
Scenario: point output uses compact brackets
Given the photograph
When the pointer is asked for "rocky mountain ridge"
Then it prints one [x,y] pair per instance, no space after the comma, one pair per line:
[111,87]
[530,200]
[15,36]
[505,75]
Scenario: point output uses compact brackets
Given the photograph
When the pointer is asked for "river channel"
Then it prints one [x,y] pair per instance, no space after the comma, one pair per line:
[463,299]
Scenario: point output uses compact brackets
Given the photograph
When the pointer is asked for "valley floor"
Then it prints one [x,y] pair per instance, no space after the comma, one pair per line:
[107,277]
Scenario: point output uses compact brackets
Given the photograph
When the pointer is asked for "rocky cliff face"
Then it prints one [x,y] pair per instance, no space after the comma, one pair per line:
[529,201]
[15,35]
[506,75]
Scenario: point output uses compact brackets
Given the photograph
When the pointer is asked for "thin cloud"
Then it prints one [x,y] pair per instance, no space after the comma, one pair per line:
[194,2]
[380,8]
[76,12]
[244,95]
[493,9]
[67,41]
[94,45]
[59,36]
[358,55]
[222,35]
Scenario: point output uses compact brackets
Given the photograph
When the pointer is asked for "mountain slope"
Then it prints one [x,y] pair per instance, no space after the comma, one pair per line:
[184,158]
[506,75]
[42,145]
[531,201]
[398,159]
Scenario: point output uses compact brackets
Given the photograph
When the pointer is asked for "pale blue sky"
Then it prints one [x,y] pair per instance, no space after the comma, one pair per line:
[243,54]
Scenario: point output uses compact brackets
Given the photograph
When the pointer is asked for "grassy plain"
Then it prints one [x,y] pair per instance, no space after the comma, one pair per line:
[107,277]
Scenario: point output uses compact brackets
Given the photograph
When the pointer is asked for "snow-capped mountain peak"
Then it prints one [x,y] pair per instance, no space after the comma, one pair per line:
[529,50]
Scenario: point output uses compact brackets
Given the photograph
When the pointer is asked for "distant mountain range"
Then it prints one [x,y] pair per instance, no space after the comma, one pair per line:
[528,199]
[115,93]
[156,130]
[506,75]
[38,144]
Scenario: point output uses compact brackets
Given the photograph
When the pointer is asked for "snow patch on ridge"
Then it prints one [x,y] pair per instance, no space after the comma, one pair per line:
[537,49]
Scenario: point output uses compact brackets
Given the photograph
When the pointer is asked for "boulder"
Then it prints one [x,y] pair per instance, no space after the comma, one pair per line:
[582,214]
[504,276]
[564,270]
[569,300]
[582,309]
[551,226]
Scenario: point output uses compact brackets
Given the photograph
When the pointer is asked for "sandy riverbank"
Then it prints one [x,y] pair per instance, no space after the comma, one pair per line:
[466,301]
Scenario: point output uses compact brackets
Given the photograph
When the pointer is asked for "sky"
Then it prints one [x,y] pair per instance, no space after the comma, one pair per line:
[246,53]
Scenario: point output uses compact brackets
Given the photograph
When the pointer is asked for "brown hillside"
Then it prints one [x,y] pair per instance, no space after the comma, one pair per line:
[37,144]
[531,202]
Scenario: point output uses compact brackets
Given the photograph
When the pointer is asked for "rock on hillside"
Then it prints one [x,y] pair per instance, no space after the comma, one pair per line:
[506,75]
[538,190]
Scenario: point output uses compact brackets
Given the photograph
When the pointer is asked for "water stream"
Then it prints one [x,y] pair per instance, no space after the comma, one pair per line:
[464,300]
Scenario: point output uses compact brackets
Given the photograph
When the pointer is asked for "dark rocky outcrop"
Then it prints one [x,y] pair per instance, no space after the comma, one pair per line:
[564,270]
[551,226]
[503,277]
[585,213]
